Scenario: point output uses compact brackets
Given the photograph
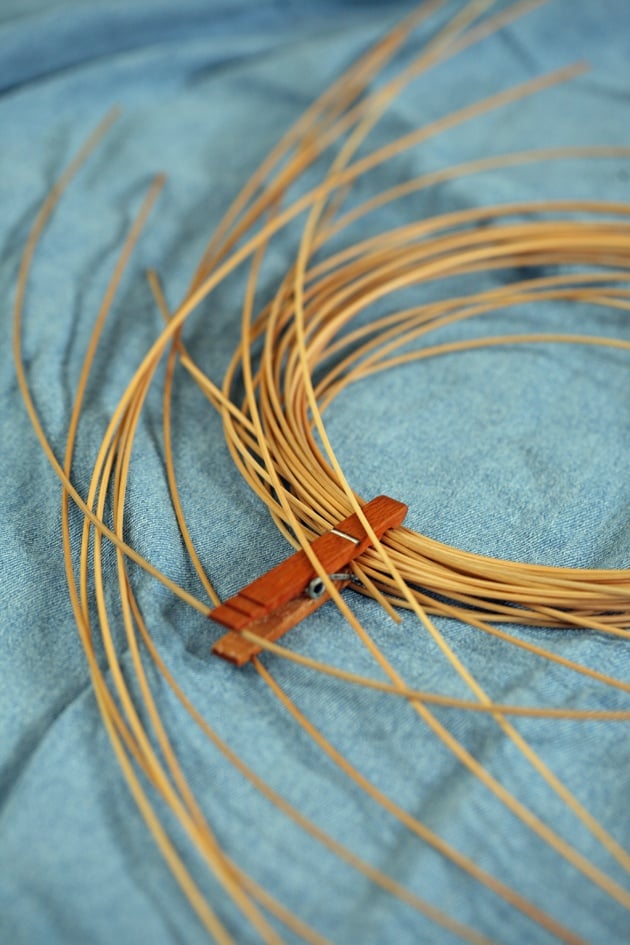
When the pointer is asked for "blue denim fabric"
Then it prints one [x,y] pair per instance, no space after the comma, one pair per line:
[521,453]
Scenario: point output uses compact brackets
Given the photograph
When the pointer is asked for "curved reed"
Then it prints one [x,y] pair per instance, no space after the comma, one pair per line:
[296,355]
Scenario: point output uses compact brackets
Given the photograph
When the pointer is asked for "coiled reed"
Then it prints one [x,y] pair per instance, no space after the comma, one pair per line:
[298,353]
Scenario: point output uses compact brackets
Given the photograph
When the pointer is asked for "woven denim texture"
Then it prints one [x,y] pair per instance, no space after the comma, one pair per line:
[521,453]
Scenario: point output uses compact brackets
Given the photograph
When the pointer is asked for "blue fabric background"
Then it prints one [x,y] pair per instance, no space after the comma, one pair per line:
[519,453]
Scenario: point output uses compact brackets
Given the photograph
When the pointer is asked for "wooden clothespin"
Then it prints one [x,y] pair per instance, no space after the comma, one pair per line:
[277,601]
